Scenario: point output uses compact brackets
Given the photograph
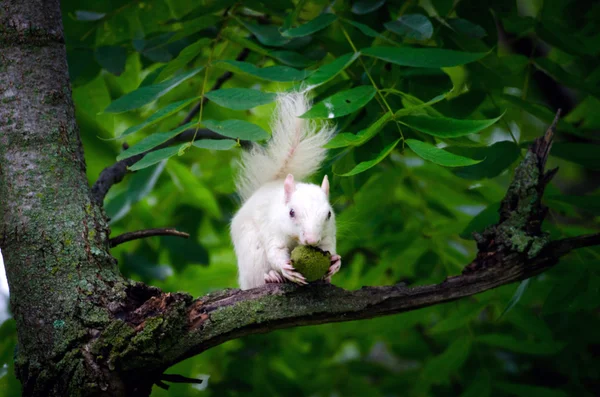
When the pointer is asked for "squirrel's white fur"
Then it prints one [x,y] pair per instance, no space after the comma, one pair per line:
[265,230]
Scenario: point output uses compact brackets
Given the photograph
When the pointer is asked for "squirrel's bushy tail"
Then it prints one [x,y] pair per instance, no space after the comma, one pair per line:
[296,147]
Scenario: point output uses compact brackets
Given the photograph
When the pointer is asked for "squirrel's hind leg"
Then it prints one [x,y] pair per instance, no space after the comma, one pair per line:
[251,258]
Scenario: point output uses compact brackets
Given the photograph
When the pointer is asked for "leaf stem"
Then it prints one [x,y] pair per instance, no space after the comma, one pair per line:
[379,93]
[504,121]
[228,16]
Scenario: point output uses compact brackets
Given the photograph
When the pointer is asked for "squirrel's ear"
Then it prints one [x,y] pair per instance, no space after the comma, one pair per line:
[325,185]
[288,187]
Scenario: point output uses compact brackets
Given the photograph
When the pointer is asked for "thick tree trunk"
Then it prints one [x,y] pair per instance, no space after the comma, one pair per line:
[53,237]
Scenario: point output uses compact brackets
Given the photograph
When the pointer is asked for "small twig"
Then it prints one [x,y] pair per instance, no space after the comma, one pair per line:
[125,237]
[111,176]
[543,144]
[175,378]
[162,385]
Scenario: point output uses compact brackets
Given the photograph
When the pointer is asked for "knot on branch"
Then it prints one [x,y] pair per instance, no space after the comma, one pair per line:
[519,230]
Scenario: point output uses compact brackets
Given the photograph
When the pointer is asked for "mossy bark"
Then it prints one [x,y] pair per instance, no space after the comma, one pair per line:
[62,279]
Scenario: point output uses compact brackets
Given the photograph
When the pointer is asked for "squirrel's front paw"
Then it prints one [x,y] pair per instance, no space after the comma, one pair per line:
[336,263]
[288,271]
[273,277]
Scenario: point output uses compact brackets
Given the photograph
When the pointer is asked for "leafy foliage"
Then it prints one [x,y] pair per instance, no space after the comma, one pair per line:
[432,112]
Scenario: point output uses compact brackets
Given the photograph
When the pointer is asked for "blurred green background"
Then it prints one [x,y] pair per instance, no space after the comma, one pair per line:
[403,218]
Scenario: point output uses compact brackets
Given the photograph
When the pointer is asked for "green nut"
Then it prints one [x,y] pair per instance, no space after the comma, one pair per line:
[311,262]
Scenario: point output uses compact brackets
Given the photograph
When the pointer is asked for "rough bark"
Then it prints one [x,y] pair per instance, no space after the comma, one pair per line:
[84,330]
[54,240]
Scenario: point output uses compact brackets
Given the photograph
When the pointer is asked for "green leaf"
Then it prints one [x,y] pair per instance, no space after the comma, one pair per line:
[8,336]
[556,36]
[140,185]
[508,342]
[489,216]
[192,187]
[153,141]
[201,8]
[575,292]
[235,37]
[266,34]
[362,137]
[585,154]
[497,158]
[415,105]
[343,139]
[237,129]
[439,368]
[444,127]
[151,77]
[145,95]
[240,98]
[88,15]
[342,103]
[438,156]
[562,76]
[156,157]
[315,25]
[516,297]
[215,144]
[517,24]
[463,105]
[589,204]
[155,48]
[467,28]
[194,26]
[459,318]
[290,19]
[365,165]
[291,58]
[516,389]
[368,31]
[442,7]
[112,58]
[158,116]
[411,26]
[423,57]
[332,69]
[83,67]
[185,56]
[541,112]
[362,7]
[480,385]
[271,73]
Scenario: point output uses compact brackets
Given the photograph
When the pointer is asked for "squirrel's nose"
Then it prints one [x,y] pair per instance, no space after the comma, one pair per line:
[311,239]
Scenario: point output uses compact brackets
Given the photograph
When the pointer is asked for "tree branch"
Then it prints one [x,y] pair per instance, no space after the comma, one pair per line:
[125,237]
[230,314]
[572,243]
[115,173]
[514,249]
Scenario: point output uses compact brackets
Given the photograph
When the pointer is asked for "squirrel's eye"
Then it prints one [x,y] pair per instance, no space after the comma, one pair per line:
[329,215]
[292,213]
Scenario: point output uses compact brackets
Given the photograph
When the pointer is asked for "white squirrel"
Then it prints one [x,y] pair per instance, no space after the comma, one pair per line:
[279,212]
